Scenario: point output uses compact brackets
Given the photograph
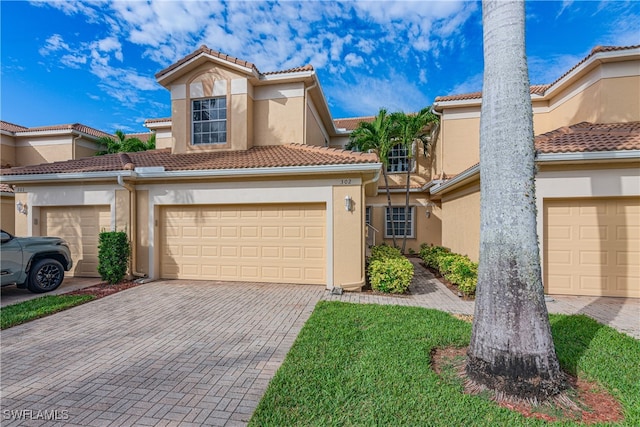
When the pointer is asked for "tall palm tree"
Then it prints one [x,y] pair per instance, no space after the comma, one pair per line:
[511,348]
[377,136]
[410,129]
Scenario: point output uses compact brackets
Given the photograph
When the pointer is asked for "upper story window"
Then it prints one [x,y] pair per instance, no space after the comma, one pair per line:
[209,121]
[367,215]
[398,159]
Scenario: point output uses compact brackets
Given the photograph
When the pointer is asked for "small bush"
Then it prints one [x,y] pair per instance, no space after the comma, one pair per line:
[457,269]
[383,251]
[430,254]
[391,275]
[113,256]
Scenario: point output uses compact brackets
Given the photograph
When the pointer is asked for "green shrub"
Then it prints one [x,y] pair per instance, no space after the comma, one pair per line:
[383,251]
[113,256]
[457,269]
[391,275]
[430,254]
[464,273]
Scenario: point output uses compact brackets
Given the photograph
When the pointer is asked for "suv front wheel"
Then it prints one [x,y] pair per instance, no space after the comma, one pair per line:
[46,275]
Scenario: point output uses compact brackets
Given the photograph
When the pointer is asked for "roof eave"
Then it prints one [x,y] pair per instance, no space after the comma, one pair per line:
[147,173]
[459,180]
[588,156]
[201,57]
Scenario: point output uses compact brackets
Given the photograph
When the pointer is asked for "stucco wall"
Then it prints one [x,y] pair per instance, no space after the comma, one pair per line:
[461,221]
[7,150]
[33,151]
[427,229]
[8,213]
[314,134]
[278,121]
[348,238]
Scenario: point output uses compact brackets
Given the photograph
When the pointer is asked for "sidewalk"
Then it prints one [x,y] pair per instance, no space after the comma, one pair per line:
[426,291]
[13,295]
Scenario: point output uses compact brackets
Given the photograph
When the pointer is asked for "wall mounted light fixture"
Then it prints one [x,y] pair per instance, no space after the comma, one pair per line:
[429,207]
[22,208]
[348,202]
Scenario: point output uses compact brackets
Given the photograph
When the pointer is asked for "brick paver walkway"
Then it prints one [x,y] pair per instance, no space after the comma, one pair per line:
[165,353]
[191,353]
[622,314]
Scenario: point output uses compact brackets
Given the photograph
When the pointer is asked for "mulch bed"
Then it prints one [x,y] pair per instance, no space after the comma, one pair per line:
[103,289]
[453,288]
[594,404]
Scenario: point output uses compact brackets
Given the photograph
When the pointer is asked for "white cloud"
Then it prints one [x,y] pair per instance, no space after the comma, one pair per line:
[369,93]
[470,85]
[53,44]
[353,60]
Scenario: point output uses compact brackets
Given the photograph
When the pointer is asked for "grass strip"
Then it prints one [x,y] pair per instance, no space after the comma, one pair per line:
[22,312]
[366,365]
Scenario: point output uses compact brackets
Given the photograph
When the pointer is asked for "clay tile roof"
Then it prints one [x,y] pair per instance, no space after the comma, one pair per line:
[352,122]
[6,188]
[256,157]
[540,89]
[158,120]
[307,67]
[585,137]
[205,50]
[75,126]
[10,127]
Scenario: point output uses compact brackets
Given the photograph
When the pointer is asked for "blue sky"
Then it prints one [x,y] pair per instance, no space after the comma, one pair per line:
[94,62]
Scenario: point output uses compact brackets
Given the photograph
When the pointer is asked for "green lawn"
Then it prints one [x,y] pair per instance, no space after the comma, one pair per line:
[16,314]
[364,365]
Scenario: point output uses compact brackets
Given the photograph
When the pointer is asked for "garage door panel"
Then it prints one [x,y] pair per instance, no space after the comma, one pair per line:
[80,226]
[592,246]
[273,243]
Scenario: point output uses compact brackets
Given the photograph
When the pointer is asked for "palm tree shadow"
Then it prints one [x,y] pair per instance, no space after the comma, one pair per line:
[572,336]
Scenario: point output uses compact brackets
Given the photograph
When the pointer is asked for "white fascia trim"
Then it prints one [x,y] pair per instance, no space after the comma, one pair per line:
[57,132]
[591,155]
[458,103]
[65,176]
[6,132]
[286,76]
[157,125]
[7,194]
[466,175]
[271,171]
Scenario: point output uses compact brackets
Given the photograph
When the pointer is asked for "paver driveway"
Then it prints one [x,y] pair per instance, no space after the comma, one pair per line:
[165,353]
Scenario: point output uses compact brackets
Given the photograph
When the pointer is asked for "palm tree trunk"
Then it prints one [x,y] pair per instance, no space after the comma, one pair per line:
[390,211]
[511,348]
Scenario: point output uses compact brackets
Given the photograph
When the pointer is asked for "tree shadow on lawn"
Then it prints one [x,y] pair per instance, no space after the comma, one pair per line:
[572,336]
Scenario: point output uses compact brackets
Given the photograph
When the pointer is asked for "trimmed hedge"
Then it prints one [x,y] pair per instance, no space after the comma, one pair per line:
[389,271]
[457,269]
[383,251]
[113,256]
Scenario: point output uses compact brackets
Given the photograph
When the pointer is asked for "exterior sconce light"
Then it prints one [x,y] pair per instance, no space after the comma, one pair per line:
[429,207]
[348,202]
[22,208]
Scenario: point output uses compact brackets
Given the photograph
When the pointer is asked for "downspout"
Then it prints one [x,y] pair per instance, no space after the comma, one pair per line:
[133,219]
[306,108]
[441,142]
[360,283]
[73,146]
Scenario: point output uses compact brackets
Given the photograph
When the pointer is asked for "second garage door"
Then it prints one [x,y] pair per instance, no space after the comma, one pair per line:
[261,243]
[592,247]
[80,226]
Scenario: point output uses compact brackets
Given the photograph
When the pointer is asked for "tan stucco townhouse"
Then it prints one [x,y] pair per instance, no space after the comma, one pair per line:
[588,181]
[22,146]
[243,186]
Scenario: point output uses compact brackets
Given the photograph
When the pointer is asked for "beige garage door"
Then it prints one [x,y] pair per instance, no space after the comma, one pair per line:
[80,226]
[261,243]
[592,247]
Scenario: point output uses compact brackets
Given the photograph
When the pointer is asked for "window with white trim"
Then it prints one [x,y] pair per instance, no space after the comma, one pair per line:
[398,216]
[398,159]
[367,215]
[209,121]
